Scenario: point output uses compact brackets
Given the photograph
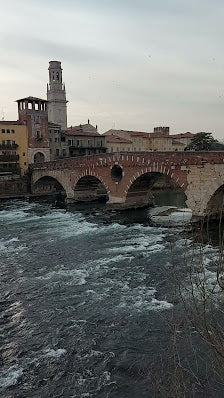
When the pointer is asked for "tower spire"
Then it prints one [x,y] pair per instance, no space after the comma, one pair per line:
[56,95]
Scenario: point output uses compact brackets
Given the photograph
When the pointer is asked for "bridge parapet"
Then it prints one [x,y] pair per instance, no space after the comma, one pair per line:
[175,158]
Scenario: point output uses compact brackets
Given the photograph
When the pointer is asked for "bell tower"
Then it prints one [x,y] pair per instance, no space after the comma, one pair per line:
[56,95]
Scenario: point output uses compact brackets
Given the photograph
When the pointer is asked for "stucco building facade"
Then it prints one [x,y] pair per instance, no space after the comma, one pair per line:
[13,147]
[82,140]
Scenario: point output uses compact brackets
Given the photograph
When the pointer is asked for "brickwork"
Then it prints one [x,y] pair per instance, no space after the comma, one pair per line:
[199,174]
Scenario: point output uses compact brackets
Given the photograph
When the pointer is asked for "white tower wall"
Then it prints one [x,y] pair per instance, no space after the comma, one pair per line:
[56,95]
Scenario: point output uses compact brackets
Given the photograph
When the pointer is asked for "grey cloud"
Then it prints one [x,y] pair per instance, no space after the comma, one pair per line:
[55,50]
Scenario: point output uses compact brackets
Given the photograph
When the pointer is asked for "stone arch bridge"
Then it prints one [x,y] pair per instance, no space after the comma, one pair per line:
[126,178]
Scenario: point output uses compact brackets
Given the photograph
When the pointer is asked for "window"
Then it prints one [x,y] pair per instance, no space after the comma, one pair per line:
[12,131]
[3,131]
[24,163]
[77,142]
[3,142]
[62,139]
[8,131]
[24,154]
[90,143]
[64,152]
[101,143]
[13,142]
[111,149]
[57,152]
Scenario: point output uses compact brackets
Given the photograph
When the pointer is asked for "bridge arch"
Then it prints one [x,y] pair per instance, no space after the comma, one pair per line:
[215,204]
[89,187]
[139,192]
[48,185]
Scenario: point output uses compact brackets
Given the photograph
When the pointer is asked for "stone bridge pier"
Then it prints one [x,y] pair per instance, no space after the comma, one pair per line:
[125,180]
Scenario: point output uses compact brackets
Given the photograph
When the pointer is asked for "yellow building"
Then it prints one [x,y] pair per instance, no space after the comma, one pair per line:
[138,140]
[160,143]
[160,140]
[117,144]
[13,147]
[184,138]
[178,145]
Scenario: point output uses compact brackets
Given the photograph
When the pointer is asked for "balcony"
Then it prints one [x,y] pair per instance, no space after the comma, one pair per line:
[9,146]
[9,158]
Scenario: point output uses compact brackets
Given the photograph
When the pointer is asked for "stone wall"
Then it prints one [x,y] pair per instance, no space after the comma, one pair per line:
[14,187]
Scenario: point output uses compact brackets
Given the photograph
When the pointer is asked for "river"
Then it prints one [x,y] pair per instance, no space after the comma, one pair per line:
[84,300]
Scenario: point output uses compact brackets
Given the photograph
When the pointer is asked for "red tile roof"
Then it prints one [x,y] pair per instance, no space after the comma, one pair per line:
[82,129]
[117,139]
[182,135]
[139,134]
[130,132]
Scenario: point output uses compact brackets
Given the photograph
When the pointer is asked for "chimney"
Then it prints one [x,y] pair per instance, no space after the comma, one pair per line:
[88,121]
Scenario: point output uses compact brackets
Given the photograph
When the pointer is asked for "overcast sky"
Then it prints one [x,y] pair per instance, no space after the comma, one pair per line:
[127,64]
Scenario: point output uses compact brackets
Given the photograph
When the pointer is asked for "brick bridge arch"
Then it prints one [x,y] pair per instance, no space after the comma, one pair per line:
[198,174]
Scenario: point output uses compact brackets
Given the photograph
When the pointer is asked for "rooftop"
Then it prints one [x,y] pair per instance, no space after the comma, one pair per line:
[31,99]
[82,129]
[182,135]
[116,138]
[14,122]
[130,132]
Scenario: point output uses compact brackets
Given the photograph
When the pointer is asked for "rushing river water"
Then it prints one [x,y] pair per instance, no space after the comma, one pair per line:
[84,297]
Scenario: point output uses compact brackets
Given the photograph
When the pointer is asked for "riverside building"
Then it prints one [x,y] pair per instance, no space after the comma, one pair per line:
[13,147]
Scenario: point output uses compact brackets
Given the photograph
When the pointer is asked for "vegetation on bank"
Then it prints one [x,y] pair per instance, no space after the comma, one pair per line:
[204,142]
